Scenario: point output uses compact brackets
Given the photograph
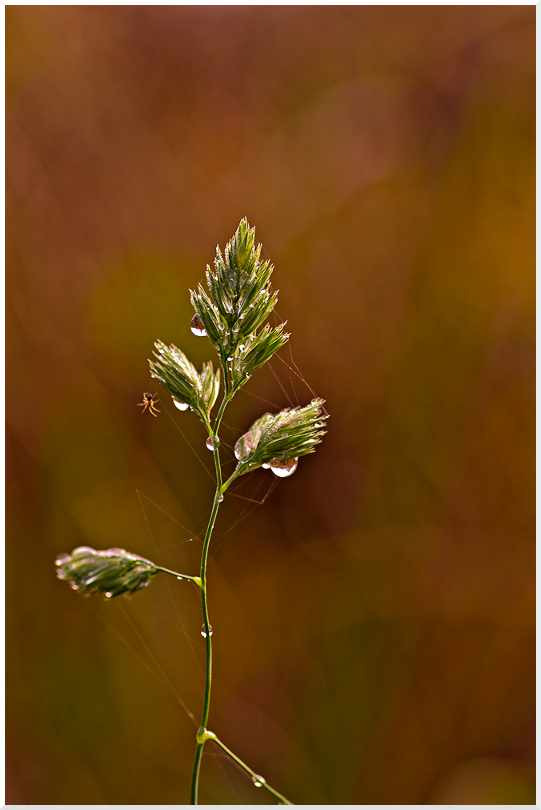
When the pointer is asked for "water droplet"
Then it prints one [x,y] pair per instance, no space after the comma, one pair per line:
[204,632]
[258,780]
[243,446]
[266,466]
[62,558]
[210,443]
[109,595]
[319,425]
[282,467]
[82,551]
[197,326]
[221,498]
[180,405]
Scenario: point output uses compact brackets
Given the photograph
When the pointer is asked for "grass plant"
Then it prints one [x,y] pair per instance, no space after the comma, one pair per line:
[232,313]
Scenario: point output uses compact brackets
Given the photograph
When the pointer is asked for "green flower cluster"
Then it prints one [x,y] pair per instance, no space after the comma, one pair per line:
[112,572]
[276,441]
[254,353]
[238,303]
[178,376]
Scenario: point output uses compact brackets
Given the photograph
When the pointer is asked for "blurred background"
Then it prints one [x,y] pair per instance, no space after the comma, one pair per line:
[373,614]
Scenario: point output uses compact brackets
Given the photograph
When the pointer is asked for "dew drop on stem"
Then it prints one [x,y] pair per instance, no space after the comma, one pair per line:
[182,406]
[204,631]
[258,781]
[210,444]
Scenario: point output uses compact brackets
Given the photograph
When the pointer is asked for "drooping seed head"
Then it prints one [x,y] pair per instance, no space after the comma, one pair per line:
[112,572]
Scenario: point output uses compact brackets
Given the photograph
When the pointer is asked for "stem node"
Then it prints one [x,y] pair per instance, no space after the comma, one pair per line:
[203,735]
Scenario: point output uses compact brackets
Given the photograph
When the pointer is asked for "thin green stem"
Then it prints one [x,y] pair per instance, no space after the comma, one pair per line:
[225,371]
[202,734]
[195,772]
[225,401]
[227,397]
[234,474]
[204,604]
[177,575]
[256,778]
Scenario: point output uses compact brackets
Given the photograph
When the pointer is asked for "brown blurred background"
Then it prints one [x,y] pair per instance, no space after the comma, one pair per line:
[373,619]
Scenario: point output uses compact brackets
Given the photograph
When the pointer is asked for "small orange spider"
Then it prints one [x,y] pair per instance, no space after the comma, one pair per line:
[150,403]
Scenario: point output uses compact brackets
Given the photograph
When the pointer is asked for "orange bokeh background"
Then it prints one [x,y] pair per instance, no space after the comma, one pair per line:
[374,617]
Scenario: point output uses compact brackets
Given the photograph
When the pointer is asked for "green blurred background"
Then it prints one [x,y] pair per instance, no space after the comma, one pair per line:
[373,619]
